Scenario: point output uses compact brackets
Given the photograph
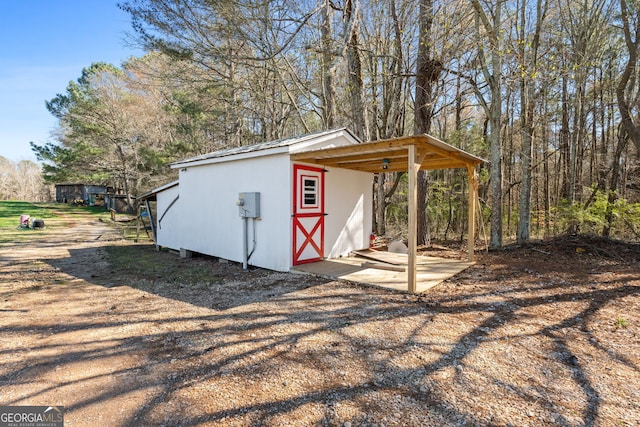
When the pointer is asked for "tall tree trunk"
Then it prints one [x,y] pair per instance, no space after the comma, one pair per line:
[492,72]
[615,179]
[545,169]
[398,109]
[355,83]
[328,81]
[565,156]
[233,128]
[427,73]
[394,127]
[632,42]
[524,220]
[527,109]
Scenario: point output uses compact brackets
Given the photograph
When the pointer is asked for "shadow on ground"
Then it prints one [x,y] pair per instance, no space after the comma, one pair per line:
[203,281]
[497,345]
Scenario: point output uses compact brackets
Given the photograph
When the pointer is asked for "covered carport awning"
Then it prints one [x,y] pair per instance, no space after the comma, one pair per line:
[404,154]
[392,155]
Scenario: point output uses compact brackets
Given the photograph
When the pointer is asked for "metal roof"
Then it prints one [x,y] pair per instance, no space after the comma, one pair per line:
[151,195]
[258,147]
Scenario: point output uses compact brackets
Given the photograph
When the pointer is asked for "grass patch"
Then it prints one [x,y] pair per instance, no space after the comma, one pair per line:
[94,212]
[11,210]
[53,214]
[621,323]
[143,262]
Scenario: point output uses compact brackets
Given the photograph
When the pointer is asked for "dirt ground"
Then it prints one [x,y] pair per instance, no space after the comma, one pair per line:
[546,334]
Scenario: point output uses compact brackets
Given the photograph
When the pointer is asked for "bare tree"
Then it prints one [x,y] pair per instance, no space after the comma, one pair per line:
[328,66]
[22,181]
[489,31]
[389,88]
[355,86]
[628,92]
[529,76]
[428,71]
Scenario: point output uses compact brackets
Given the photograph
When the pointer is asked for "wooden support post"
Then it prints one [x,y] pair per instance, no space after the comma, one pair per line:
[471,238]
[412,243]
[138,218]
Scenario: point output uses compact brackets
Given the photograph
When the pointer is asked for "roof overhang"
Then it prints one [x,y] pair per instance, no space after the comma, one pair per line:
[152,194]
[282,146]
[391,155]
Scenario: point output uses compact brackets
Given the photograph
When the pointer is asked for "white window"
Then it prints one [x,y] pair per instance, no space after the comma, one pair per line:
[309,191]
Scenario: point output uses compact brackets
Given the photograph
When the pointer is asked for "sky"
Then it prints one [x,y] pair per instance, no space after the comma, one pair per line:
[45,44]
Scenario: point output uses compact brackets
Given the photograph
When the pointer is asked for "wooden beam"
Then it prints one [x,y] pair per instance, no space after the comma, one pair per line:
[138,219]
[436,145]
[412,166]
[381,266]
[367,147]
[433,154]
[471,239]
[421,155]
[442,164]
[381,147]
[375,164]
[397,167]
[372,158]
[425,142]
[359,157]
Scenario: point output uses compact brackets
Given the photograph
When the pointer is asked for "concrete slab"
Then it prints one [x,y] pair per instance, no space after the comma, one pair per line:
[430,271]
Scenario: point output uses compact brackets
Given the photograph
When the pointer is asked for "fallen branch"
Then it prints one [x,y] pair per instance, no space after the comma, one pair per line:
[541,251]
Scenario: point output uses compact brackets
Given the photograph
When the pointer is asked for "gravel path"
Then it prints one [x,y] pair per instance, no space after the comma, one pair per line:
[525,338]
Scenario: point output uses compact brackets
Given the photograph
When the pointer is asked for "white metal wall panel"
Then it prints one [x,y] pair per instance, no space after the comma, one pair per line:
[349,207]
[168,228]
[211,223]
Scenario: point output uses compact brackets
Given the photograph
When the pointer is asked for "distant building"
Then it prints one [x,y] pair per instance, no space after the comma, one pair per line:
[69,193]
[92,195]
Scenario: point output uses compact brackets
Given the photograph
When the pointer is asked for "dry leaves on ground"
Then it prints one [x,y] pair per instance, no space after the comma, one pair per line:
[530,336]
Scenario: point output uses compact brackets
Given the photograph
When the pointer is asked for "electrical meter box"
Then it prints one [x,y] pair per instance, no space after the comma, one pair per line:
[249,204]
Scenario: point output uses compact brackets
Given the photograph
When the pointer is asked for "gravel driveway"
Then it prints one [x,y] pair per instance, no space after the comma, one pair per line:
[532,336]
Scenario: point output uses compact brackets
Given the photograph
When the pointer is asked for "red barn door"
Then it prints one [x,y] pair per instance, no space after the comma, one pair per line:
[308,214]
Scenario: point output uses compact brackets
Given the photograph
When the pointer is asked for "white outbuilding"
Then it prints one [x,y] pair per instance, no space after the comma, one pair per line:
[255,205]
[300,200]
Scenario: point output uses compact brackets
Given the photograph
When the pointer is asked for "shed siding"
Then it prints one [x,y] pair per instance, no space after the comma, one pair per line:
[206,218]
[349,207]
[69,192]
[210,222]
[168,218]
